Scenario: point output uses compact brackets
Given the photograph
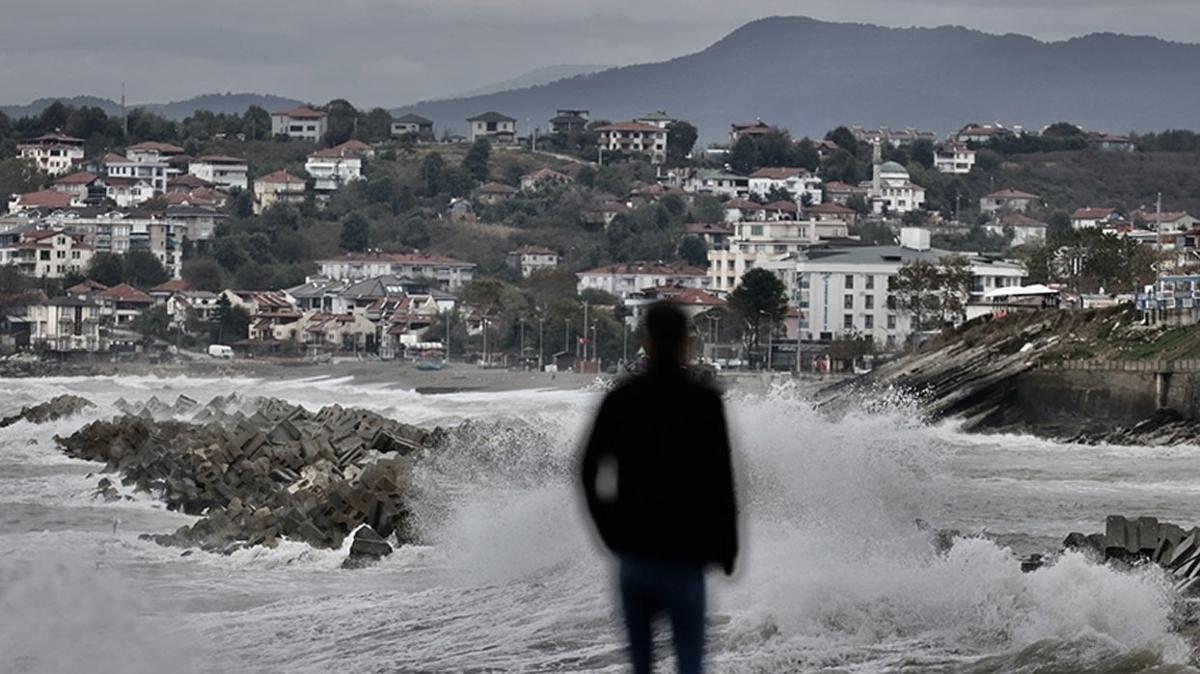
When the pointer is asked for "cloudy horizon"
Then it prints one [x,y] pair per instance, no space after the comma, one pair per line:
[390,53]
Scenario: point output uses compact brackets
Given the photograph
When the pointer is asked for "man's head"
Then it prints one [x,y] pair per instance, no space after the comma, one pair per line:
[665,329]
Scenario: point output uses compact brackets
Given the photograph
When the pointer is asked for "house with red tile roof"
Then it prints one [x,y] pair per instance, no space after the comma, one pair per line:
[42,200]
[634,138]
[122,303]
[1008,200]
[301,123]
[279,187]
[529,259]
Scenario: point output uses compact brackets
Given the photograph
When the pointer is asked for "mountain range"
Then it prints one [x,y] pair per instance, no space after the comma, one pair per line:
[176,110]
[811,76]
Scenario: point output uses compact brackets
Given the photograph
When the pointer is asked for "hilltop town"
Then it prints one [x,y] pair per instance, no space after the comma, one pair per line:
[326,231]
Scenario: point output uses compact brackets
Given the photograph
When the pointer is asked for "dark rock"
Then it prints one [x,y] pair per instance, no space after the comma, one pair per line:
[368,547]
[56,408]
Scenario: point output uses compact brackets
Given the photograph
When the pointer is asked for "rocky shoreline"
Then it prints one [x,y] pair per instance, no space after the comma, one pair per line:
[256,470]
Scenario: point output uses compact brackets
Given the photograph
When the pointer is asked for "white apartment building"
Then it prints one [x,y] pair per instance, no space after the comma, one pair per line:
[66,324]
[627,278]
[154,152]
[226,172]
[635,138]
[718,183]
[765,244]
[56,154]
[50,253]
[146,174]
[845,291]
[445,272]
[954,158]
[797,181]
[532,258]
[302,123]
[333,167]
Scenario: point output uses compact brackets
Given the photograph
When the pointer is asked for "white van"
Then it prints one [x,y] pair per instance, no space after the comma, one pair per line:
[220,351]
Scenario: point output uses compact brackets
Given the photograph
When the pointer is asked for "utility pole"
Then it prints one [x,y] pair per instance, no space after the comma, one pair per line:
[770,338]
[1159,308]
[541,349]
[585,327]
[522,322]
[447,336]
[485,345]
[624,342]
[595,354]
[567,337]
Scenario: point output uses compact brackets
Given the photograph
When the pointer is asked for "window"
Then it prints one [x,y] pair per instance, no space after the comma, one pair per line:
[891,322]
[869,302]
[756,230]
[870,282]
[849,282]
[848,302]
[868,322]
[848,322]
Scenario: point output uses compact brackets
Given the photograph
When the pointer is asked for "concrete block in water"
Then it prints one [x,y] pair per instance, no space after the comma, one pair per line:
[1147,535]
[1115,528]
[1183,550]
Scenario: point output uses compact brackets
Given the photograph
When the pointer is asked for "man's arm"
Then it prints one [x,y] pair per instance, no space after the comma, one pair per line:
[598,448]
[725,538]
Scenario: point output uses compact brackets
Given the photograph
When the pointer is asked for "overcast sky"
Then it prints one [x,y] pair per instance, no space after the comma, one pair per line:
[391,52]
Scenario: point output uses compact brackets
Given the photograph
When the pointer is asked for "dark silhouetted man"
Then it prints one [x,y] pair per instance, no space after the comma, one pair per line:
[659,485]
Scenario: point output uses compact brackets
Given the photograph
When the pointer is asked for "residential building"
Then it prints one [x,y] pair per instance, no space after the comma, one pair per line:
[334,167]
[845,292]
[1111,142]
[831,212]
[1088,217]
[1024,229]
[494,193]
[461,210]
[532,258]
[954,158]
[753,129]
[567,121]
[797,181]
[151,152]
[891,191]
[493,126]
[55,154]
[50,253]
[893,137]
[658,118]
[43,200]
[544,178]
[84,187]
[715,236]
[322,332]
[223,171]
[122,303]
[634,138]
[162,292]
[692,301]
[719,183]
[412,125]
[279,187]
[839,192]
[982,133]
[766,243]
[444,272]
[622,280]
[66,324]
[133,181]
[185,306]
[1009,200]
[302,123]
[1173,221]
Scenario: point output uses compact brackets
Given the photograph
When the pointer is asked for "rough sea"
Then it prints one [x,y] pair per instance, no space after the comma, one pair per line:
[834,574]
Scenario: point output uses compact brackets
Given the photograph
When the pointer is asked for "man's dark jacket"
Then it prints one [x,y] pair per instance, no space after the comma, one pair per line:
[675,499]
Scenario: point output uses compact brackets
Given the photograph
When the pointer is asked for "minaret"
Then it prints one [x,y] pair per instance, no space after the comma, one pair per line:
[876,160]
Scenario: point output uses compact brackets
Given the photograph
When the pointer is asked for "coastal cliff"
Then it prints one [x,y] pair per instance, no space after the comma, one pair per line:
[1084,376]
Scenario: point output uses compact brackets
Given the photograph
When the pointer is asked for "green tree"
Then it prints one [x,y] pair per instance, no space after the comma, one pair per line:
[256,123]
[844,138]
[743,156]
[707,208]
[153,322]
[693,251]
[933,294]
[341,121]
[377,126]
[204,273]
[858,203]
[229,323]
[106,268]
[432,168]
[476,161]
[681,138]
[761,296]
[18,176]
[355,233]
[142,269]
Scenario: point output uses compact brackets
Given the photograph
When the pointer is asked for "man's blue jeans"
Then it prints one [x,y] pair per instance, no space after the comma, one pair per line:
[652,588]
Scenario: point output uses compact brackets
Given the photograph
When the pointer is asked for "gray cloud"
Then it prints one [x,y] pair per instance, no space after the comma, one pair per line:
[389,52]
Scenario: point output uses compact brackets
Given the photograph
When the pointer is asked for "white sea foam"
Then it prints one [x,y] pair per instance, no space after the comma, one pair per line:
[834,571]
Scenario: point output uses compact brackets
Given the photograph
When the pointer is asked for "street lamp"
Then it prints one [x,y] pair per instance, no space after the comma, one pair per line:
[541,349]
